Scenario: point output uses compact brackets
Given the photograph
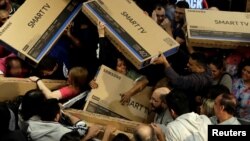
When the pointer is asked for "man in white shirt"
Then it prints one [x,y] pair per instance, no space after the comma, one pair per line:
[188,126]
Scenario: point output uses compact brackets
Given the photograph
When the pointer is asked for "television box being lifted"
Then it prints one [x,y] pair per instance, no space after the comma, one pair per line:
[218,29]
[135,34]
[106,98]
[34,28]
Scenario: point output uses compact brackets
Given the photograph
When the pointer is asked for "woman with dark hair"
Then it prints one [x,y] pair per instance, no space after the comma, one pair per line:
[241,89]
[12,66]
[219,75]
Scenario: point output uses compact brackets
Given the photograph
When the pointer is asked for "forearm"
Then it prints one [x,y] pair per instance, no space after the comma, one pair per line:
[139,86]
[75,41]
[161,137]
[46,91]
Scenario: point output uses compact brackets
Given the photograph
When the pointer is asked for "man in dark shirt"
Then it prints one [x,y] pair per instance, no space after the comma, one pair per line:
[196,83]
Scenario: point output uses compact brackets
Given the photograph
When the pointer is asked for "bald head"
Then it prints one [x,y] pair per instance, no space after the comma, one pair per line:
[145,132]
[157,100]
[160,92]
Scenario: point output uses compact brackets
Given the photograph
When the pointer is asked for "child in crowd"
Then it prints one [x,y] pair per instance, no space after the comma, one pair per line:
[76,81]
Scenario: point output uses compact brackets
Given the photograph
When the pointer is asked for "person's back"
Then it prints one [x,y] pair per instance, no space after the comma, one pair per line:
[188,126]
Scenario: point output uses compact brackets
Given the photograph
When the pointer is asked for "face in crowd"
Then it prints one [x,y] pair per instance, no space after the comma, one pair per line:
[121,66]
[193,65]
[14,67]
[4,16]
[245,73]
[160,14]
[157,101]
[179,14]
[216,72]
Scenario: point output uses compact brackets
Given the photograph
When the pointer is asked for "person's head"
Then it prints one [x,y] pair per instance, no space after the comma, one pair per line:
[160,14]
[47,66]
[245,70]
[163,82]
[216,90]
[217,68]
[4,16]
[224,105]
[32,103]
[78,76]
[121,137]
[71,136]
[50,110]
[180,7]
[121,66]
[4,118]
[157,100]
[4,4]
[14,67]
[197,63]
[207,107]
[145,133]
[177,102]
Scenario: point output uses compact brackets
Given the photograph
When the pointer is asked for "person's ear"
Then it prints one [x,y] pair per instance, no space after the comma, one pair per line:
[57,118]
[172,113]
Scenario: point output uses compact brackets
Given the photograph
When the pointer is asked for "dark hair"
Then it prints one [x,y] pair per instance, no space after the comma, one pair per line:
[50,109]
[244,63]
[216,90]
[47,63]
[229,102]
[32,103]
[4,118]
[217,62]
[182,4]
[178,101]
[121,137]
[9,64]
[200,58]
[71,136]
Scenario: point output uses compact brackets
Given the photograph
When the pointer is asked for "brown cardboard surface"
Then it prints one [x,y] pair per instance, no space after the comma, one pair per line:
[106,98]
[35,27]
[120,124]
[218,29]
[135,34]
[13,87]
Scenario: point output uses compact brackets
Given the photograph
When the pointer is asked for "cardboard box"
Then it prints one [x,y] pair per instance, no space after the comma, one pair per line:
[123,126]
[106,98]
[120,124]
[135,34]
[35,27]
[218,29]
[248,6]
[13,87]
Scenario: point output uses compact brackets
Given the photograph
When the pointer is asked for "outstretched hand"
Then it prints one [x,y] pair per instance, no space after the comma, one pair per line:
[125,98]
[161,60]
